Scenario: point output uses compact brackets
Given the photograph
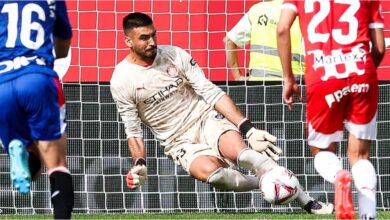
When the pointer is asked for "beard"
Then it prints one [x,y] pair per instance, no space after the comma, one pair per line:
[147,54]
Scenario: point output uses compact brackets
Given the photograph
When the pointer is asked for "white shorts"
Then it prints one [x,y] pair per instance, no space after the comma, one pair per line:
[200,140]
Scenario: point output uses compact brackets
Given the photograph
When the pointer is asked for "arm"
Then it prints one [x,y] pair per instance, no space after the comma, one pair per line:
[61,47]
[62,31]
[126,107]
[232,59]
[229,109]
[259,140]
[237,37]
[138,173]
[376,25]
[378,45]
[287,18]
[137,149]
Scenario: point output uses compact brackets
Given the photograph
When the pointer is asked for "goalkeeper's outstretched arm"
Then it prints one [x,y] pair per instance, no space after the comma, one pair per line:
[259,140]
[229,109]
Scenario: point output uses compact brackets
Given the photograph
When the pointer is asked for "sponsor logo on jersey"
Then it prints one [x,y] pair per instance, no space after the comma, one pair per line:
[339,94]
[19,62]
[165,93]
[263,20]
[330,62]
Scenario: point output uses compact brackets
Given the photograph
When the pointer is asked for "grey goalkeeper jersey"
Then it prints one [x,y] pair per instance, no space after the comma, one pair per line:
[169,96]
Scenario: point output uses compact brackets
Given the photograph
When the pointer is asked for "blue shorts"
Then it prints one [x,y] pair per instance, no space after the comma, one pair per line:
[32,107]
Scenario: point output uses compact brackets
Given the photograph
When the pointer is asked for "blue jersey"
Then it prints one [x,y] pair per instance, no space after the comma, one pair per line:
[27,30]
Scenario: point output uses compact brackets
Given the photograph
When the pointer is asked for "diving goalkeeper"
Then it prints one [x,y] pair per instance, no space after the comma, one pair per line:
[197,124]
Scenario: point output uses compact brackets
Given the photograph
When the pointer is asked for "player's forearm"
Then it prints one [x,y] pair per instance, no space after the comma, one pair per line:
[287,18]
[232,59]
[378,45]
[229,109]
[61,47]
[284,50]
[137,148]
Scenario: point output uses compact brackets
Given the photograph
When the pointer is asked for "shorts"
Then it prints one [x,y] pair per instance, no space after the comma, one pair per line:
[330,104]
[200,140]
[32,108]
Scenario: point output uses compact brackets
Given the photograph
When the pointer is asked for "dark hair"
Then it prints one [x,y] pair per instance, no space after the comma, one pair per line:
[136,19]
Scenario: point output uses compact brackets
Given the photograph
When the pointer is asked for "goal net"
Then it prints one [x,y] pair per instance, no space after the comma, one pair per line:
[98,156]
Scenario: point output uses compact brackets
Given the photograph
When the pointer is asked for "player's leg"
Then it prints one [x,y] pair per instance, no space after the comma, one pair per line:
[232,147]
[34,161]
[44,104]
[206,164]
[361,124]
[53,154]
[14,136]
[213,170]
[325,128]
[364,176]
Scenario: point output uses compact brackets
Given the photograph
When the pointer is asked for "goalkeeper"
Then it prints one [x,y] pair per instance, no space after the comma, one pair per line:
[197,124]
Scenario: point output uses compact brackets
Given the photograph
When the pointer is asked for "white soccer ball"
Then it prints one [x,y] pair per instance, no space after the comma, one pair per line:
[279,186]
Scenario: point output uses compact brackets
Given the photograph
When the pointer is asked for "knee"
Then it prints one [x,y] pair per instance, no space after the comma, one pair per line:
[315,150]
[203,167]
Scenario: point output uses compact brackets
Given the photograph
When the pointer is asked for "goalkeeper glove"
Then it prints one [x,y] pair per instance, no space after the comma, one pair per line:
[137,175]
[260,140]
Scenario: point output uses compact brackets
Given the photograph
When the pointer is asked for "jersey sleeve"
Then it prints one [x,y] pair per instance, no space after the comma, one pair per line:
[240,34]
[195,76]
[124,98]
[376,18]
[62,28]
[291,5]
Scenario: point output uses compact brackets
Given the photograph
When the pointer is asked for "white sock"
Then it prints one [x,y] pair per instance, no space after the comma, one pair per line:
[327,165]
[364,175]
[255,161]
[303,198]
[229,179]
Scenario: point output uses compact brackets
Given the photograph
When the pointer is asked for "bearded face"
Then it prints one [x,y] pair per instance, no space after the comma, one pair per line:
[143,42]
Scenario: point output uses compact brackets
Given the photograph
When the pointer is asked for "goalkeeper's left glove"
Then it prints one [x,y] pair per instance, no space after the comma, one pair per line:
[260,140]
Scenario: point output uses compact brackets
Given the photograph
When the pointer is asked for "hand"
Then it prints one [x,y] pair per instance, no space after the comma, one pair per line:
[289,89]
[136,176]
[263,142]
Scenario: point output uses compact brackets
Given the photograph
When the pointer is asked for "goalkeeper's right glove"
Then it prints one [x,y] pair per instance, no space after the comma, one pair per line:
[137,175]
[260,140]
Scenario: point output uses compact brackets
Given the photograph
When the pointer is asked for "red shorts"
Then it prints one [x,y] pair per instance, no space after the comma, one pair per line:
[353,100]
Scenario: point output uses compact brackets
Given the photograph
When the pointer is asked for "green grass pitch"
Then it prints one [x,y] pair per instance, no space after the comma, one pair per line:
[258,215]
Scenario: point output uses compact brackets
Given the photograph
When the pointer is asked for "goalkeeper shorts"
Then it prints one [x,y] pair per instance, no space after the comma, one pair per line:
[199,140]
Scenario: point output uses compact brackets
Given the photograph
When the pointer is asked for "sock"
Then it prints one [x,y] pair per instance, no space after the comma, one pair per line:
[230,179]
[255,161]
[61,194]
[327,165]
[364,176]
[303,198]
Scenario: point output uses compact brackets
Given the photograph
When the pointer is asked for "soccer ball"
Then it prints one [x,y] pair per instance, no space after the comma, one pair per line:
[279,186]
